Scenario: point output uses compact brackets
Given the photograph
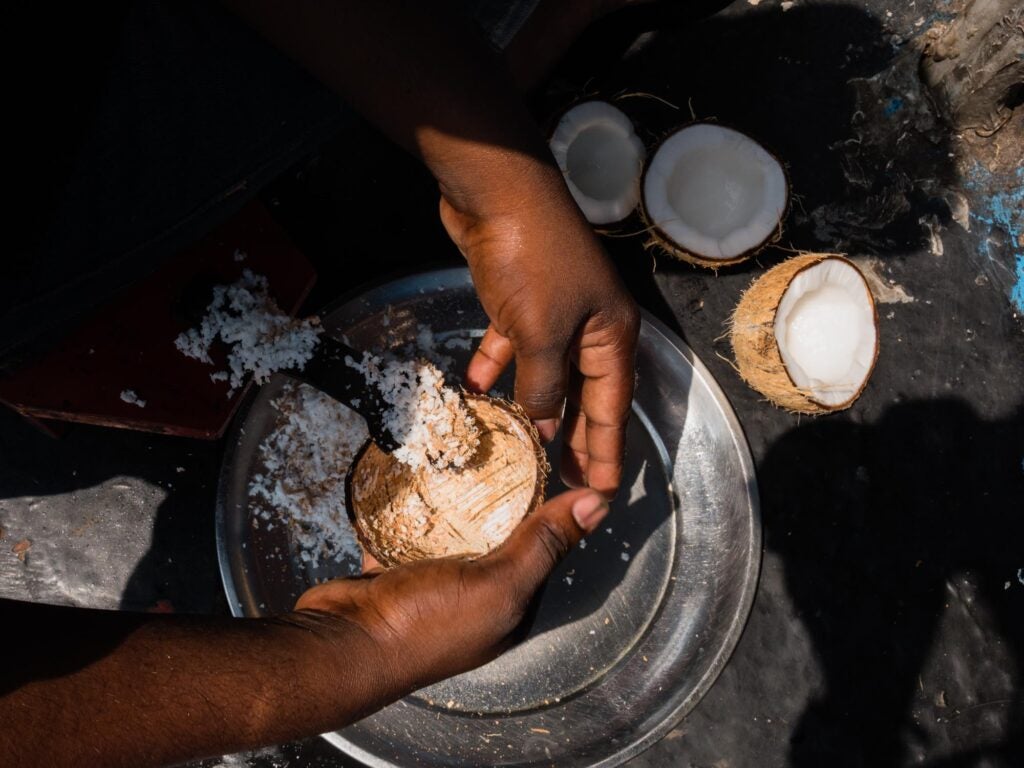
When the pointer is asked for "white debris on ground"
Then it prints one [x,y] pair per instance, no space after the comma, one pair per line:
[129,396]
[302,487]
[428,420]
[262,338]
[884,290]
[240,255]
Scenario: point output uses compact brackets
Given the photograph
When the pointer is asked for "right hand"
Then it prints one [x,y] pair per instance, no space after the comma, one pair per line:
[436,618]
[558,308]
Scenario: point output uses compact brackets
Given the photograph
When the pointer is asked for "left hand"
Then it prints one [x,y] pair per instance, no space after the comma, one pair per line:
[558,307]
[435,618]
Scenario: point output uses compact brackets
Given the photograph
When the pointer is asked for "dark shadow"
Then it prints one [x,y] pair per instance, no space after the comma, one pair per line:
[140,128]
[90,517]
[44,650]
[82,502]
[851,509]
[886,531]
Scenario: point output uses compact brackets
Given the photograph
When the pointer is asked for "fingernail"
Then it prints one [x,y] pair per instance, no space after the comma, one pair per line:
[547,428]
[588,511]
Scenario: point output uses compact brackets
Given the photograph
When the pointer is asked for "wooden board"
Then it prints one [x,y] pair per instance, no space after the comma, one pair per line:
[129,343]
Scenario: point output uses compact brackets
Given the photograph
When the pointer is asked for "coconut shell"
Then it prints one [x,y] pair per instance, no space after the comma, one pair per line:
[401,515]
[756,349]
[658,238]
[553,123]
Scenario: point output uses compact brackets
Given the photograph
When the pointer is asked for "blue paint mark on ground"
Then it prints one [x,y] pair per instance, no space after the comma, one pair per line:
[1002,210]
[895,105]
[1017,294]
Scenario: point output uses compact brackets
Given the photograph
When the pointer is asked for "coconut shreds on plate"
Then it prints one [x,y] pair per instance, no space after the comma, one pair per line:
[429,421]
[302,487]
[308,454]
[262,339]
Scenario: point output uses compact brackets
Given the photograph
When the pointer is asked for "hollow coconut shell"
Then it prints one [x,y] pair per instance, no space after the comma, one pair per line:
[401,515]
[659,239]
[605,214]
[756,348]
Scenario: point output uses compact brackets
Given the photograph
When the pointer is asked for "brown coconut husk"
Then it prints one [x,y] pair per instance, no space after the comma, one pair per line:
[658,239]
[752,333]
[401,515]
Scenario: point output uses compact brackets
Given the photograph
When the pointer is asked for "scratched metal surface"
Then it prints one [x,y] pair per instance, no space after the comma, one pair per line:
[632,629]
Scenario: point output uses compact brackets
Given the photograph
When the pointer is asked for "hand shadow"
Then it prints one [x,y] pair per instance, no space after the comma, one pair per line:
[885,532]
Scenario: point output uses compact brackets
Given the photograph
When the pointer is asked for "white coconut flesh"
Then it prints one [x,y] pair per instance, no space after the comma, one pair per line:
[601,158]
[825,329]
[714,192]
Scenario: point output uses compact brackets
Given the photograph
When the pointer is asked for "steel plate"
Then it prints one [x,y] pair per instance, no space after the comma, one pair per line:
[632,629]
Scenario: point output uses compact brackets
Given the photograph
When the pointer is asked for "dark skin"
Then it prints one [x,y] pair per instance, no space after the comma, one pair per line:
[158,689]
[557,307]
[151,690]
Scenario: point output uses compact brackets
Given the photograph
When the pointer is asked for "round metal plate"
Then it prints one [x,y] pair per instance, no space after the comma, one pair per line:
[633,627]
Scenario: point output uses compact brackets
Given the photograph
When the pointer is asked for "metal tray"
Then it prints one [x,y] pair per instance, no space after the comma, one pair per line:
[632,629]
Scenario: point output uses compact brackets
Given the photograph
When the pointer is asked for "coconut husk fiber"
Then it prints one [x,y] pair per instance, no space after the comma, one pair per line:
[754,344]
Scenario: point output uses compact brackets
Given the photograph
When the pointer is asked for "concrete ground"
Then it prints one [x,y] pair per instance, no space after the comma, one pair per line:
[889,623]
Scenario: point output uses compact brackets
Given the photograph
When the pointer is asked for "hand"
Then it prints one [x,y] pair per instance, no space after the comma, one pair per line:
[558,308]
[436,618]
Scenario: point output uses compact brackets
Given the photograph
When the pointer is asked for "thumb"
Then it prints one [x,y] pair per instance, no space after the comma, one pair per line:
[545,537]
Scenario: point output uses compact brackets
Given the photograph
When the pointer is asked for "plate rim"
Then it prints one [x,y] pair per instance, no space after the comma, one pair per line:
[750,577]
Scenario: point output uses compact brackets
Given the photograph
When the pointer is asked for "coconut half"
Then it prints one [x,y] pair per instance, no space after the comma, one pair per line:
[805,334]
[401,515]
[601,158]
[713,196]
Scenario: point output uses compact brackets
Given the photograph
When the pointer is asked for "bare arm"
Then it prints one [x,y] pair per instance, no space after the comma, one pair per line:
[87,687]
[420,72]
[149,690]
[557,307]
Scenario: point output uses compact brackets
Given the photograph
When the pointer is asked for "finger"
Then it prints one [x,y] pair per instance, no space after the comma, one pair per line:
[533,550]
[606,405]
[573,466]
[606,360]
[541,382]
[492,356]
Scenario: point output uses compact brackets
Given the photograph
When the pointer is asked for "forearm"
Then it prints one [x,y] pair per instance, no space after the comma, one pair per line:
[421,73]
[140,690]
